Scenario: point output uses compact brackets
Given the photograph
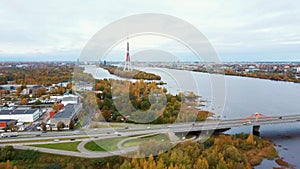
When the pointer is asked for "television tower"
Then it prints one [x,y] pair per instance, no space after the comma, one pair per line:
[127,66]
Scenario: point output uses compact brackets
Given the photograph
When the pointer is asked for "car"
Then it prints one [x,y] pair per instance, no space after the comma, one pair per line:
[56,140]
[126,127]
[148,127]
[169,126]
[247,123]
[118,134]
[280,117]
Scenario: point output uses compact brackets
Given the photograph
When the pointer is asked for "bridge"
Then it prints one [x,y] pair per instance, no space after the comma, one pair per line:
[256,120]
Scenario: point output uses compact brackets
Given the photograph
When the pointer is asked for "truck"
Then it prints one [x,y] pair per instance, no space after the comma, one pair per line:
[13,134]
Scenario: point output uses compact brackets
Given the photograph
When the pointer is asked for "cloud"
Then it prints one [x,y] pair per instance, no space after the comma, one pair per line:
[255,29]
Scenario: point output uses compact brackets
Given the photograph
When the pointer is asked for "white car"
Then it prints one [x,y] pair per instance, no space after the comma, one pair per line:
[247,123]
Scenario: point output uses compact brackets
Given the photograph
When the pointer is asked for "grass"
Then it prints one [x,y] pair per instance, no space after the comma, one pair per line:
[80,122]
[106,125]
[104,145]
[138,141]
[69,146]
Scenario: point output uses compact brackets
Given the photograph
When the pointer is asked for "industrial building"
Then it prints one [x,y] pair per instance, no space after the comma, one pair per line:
[65,115]
[66,99]
[21,115]
[7,122]
[70,99]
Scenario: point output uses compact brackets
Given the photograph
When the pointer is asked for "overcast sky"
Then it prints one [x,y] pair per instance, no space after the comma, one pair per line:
[239,30]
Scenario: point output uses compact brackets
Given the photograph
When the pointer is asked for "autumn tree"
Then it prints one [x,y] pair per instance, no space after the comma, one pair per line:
[71,125]
[24,101]
[18,91]
[44,127]
[55,107]
[60,125]
[41,91]
[201,163]
[250,139]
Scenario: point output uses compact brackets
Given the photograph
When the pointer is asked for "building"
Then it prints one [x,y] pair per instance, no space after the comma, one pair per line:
[8,122]
[69,99]
[66,99]
[13,87]
[65,115]
[296,69]
[21,115]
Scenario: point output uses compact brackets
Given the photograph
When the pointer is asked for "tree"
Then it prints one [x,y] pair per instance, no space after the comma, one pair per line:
[19,90]
[70,166]
[71,125]
[126,164]
[55,107]
[8,165]
[41,91]
[24,101]
[38,102]
[201,163]
[13,127]
[250,139]
[44,127]
[53,166]
[60,125]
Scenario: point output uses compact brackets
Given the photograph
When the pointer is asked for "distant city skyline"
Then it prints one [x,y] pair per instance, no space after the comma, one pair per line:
[238,30]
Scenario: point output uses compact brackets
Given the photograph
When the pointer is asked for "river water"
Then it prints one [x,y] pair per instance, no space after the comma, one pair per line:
[244,97]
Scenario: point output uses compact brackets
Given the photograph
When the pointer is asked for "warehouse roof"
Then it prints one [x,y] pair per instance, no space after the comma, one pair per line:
[18,111]
[68,111]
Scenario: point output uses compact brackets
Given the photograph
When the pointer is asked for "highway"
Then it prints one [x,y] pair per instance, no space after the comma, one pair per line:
[86,135]
[146,129]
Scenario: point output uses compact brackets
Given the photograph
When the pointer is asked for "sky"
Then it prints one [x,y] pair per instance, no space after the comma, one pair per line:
[238,30]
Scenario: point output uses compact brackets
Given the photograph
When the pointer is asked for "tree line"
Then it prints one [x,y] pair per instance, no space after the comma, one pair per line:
[144,102]
[132,74]
[220,151]
[39,73]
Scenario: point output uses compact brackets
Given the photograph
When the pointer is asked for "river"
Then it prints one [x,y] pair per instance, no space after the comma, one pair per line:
[244,97]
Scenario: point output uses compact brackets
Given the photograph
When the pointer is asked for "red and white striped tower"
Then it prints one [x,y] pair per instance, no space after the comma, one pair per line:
[127,66]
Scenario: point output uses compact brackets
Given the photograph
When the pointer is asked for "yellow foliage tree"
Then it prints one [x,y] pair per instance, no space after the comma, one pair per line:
[250,139]
[24,101]
[201,163]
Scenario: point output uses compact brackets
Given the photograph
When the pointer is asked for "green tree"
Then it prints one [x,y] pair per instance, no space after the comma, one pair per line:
[126,165]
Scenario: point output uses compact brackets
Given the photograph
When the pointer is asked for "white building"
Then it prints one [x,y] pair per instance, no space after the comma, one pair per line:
[22,115]
[70,99]
[296,69]
[66,99]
